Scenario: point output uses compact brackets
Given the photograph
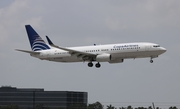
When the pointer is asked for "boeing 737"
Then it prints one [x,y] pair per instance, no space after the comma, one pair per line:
[112,53]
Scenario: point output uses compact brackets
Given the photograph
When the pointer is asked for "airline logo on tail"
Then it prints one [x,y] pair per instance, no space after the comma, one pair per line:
[36,42]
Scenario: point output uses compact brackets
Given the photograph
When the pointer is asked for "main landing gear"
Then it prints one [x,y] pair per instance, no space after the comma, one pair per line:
[90,64]
[98,65]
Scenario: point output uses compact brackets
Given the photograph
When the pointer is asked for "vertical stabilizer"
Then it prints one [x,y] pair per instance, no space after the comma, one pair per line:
[36,42]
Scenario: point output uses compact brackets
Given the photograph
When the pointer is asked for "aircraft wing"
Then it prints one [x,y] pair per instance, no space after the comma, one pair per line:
[26,51]
[73,52]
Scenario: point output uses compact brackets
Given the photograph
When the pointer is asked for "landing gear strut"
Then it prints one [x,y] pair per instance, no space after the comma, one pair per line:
[151,61]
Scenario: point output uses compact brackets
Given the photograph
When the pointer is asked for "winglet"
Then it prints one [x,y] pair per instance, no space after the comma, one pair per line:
[49,41]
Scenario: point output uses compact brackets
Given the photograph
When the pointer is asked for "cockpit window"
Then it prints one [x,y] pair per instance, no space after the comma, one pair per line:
[156,45]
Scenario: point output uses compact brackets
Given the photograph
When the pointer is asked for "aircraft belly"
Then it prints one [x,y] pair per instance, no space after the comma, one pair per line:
[65,59]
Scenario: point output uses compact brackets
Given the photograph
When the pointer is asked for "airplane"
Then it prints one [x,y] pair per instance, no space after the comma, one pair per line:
[112,53]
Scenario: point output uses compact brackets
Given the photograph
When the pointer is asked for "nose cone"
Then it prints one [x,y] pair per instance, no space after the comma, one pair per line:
[163,50]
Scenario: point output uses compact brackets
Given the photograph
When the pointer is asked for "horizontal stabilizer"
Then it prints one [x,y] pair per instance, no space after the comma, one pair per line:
[26,51]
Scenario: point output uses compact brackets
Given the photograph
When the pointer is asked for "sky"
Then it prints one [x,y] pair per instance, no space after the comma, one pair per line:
[77,23]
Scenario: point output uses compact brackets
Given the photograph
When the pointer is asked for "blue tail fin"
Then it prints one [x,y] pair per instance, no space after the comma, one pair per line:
[36,42]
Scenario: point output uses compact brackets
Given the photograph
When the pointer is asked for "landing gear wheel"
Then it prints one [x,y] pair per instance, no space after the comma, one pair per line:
[98,65]
[151,61]
[90,64]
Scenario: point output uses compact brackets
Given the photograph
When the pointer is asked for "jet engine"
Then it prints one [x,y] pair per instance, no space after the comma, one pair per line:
[103,58]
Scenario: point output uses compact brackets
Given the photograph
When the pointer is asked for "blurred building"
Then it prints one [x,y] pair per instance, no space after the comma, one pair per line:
[29,98]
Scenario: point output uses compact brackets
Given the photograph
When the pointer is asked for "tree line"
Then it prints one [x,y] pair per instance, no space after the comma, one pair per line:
[96,105]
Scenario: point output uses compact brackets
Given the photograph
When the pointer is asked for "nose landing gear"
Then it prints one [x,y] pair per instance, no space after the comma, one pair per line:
[151,61]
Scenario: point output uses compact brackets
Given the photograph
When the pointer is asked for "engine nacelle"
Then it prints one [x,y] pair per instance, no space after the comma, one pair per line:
[116,61]
[103,58]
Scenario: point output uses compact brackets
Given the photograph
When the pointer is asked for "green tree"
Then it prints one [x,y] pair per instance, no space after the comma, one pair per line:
[129,107]
[96,105]
[173,107]
[110,107]
[122,108]
[150,107]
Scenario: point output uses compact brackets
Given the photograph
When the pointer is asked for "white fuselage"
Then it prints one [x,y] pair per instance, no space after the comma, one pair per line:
[112,53]
[117,52]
